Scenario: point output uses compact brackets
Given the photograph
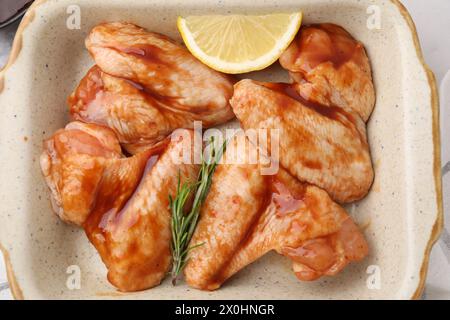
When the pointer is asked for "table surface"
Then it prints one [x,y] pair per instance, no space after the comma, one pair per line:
[432,19]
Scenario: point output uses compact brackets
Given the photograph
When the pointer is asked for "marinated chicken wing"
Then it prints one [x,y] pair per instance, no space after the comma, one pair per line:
[121,202]
[236,197]
[73,162]
[130,225]
[157,81]
[331,68]
[247,215]
[322,145]
[138,118]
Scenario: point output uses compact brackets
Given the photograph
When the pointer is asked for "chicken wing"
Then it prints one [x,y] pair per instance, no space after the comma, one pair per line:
[236,197]
[73,162]
[158,78]
[247,215]
[121,202]
[322,145]
[331,68]
[130,225]
[139,119]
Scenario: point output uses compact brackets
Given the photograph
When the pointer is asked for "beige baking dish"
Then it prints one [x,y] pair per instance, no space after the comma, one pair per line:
[402,215]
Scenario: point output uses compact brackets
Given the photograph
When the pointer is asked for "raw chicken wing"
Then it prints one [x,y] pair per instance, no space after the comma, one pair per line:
[138,118]
[160,84]
[331,68]
[247,215]
[130,224]
[73,162]
[321,145]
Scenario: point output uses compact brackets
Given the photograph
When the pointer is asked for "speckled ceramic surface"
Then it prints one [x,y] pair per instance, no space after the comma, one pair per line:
[402,215]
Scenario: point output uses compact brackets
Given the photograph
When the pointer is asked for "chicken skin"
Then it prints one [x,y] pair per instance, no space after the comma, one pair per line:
[324,146]
[130,226]
[145,86]
[139,119]
[247,215]
[331,68]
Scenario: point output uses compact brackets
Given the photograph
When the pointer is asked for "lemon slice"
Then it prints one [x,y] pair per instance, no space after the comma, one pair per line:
[239,43]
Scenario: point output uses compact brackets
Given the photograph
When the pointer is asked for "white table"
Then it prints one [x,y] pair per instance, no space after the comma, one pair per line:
[432,19]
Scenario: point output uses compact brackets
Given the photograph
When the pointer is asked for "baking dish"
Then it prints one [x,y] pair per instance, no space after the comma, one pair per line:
[401,216]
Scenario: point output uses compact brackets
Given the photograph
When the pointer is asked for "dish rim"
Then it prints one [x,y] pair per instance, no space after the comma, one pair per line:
[438,223]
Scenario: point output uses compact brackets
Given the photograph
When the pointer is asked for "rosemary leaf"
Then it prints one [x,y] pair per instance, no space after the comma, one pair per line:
[183,223]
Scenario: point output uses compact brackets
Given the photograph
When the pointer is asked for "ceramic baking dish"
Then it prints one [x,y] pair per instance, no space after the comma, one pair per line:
[401,217]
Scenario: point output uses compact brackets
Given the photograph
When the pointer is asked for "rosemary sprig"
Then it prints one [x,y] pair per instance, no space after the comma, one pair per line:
[183,223]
